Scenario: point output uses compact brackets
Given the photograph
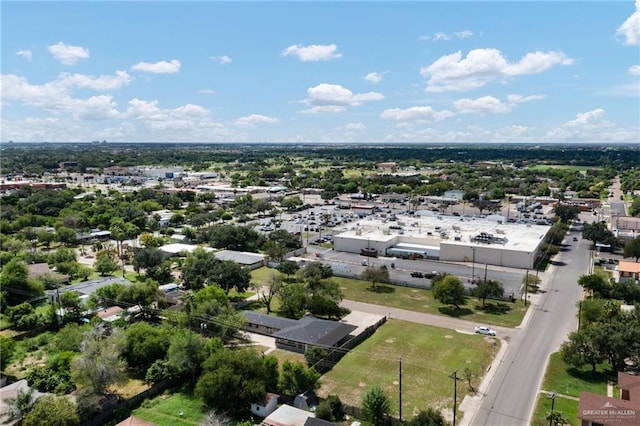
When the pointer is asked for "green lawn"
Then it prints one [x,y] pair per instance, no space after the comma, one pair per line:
[568,407]
[567,380]
[419,300]
[166,410]
[429,356]
[581,169]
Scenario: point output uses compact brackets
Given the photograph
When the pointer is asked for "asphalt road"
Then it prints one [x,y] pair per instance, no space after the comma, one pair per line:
[511,395]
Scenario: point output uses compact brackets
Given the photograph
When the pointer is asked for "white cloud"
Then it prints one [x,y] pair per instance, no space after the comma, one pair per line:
[27,54]
[482,105]
[103,82]
[95,108]
[253,119]
[355,127]
[629,31]
[374,77]
[464,34]
[453,73]
[224,59]
[68,55]
[519,99]
[162,67]
[438,36]
[634,70]
[591,127]
[335,98]
[49,96]
[420,113]
[312,53]
[207,91]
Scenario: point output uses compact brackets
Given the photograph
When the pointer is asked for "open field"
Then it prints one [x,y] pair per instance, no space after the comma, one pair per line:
[171,409]
[429,356]
[419,300]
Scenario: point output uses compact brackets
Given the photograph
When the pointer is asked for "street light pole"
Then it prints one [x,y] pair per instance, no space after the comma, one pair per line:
[552,395]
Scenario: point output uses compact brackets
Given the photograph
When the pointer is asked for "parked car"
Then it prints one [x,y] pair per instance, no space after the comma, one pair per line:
[575,238]
[417,274]
[485,330]
[431,274]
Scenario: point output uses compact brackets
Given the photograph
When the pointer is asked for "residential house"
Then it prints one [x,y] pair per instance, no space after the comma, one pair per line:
[601,410]
[299,335]
[287,415]
[243,258]
[627,271]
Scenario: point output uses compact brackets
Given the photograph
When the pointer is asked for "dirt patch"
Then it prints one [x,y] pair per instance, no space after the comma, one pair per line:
[448,336]
[389,341]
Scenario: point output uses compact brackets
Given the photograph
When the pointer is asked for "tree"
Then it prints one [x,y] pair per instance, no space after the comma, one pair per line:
[597,232]
[99,364]
[229,274]
[580,350]
[428,417]
[144,344]
[314,354]
[296,378]
[7,348]
[632,249]
[488,289]
[331,409]
[375,274]
[449,290]
[293,301]
[66,236]
[147,258]
[196,268]
[376,405]
[566,213]
[270,290]
[288,268]
[596,284]
[231,380]
[52,410]
[105,263]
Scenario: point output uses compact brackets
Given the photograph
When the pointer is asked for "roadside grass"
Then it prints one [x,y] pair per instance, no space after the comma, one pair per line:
[566,380]
[569,407]
[413,299]
[429,357]
[171,409]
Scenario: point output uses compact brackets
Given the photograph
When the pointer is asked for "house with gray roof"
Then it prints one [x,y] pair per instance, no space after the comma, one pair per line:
[244,258]
[299,335]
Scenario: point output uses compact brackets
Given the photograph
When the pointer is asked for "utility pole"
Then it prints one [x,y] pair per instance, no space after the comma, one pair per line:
[473,265]
[400,389]
[455,378]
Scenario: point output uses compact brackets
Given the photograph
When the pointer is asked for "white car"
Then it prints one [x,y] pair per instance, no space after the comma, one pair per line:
[485,330]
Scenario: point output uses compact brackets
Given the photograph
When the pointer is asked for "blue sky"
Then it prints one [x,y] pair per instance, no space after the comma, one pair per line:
[336,72]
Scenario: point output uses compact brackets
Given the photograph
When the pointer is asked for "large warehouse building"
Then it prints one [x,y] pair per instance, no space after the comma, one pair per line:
[448,238]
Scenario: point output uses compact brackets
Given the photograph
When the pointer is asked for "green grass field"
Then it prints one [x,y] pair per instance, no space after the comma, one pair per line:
[566,380]
[171,409]
[429,356]
[419,300]
[582,169]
